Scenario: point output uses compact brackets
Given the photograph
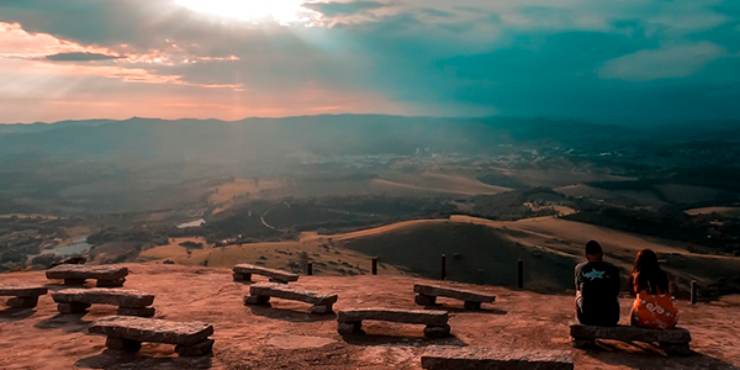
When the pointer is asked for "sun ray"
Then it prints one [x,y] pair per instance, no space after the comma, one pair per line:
[281,11]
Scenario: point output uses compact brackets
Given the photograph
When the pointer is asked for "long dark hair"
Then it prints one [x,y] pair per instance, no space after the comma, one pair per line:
[647,276]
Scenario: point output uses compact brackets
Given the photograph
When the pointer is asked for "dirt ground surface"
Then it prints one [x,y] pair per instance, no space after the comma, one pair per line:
[285,336]
[481,251]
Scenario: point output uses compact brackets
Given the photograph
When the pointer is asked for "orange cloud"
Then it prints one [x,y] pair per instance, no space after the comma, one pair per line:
[328,108]
[15,42]
[138,84]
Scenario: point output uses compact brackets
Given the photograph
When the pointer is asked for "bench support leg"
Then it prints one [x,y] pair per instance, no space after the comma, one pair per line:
[321,310]
[472,305]
[23,302]
[349,328]
[122,344]
[198,349]
[74,282]
[676,349]
[72,307]
[425,300]
[582,343]
[242,277]
[273,280]
[256,300]
[137,311]
[437,331]
[111,283]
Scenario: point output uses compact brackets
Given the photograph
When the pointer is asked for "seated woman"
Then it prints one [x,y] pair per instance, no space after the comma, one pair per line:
[649,284]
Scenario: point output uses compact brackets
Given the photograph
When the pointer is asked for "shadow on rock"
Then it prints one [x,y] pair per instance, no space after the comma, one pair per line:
[647,356]
[112,359]
[71,323]
[290,315]
[491,311]
[11,313]
[364,339]
[56,286]
[244,282]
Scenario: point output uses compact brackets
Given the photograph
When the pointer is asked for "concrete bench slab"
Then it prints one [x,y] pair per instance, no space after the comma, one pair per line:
[25,296]
[262,292]
[23,290]
[483,358]
[350,321]
[191,338]
[130,302]
[426,295]
[675,342]
[107,276]
[244,272]
[427,317]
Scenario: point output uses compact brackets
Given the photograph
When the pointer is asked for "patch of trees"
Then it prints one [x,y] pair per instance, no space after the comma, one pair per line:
[718,177]
[510,206]
[708,232]
[286,218]
[15,251]
[21,237]
[157,235]
[340,214]
[721,179]
[240,224]
[192,245]
[498,179]
[32,225]
[637,185]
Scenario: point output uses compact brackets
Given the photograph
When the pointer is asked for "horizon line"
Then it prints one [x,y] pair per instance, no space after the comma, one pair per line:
[539,117]
[255,117]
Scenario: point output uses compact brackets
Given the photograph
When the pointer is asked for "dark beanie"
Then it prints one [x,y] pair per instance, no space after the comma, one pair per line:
[593,247]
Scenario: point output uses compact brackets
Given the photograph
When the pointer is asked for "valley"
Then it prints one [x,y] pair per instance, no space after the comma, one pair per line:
[484,192]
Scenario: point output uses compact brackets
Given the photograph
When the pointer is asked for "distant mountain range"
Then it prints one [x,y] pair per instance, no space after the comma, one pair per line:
[22,128]
[255,138]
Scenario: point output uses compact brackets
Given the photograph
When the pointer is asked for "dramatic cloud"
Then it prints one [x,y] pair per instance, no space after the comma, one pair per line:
[668,62]
[80,57]
[334,9]
[610,60]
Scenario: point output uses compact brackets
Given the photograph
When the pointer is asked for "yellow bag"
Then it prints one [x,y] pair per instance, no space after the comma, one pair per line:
[654,311]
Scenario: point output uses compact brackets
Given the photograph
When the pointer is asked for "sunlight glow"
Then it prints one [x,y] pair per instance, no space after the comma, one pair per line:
[281,11]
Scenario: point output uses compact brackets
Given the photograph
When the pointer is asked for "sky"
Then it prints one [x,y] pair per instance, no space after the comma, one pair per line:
[615,61]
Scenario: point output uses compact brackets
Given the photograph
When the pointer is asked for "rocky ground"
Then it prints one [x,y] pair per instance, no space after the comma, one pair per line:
[285,336]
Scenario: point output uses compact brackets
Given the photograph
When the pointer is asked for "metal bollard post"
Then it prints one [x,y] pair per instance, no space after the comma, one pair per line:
[309,269]
[375,266]
[444,267]
[520,274]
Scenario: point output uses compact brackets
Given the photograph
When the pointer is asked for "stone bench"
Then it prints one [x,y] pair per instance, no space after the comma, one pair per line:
[244,272]
[107,276]
[127,333]
[673,342]
[24,296]
[454,358]
[260,294]
[350,321]
[426,295]
[129,302]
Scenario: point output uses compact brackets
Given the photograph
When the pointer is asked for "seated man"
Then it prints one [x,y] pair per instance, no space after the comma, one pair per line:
[597,289]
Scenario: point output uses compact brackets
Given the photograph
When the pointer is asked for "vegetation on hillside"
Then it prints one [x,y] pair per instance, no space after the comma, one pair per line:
[511,206]
[21,237]
[707,233]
